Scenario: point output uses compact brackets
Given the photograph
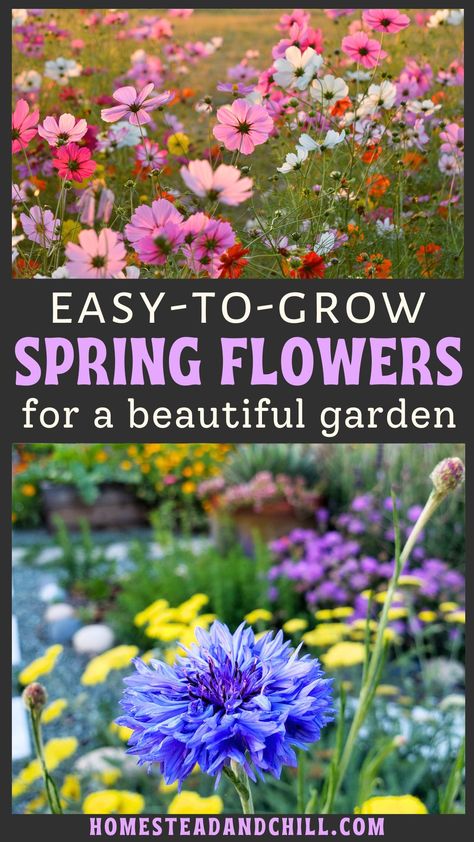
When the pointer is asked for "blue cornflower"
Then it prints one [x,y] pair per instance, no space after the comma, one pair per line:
[230,698]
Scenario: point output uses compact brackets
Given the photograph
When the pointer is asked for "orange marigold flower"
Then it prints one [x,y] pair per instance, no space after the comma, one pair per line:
[428,257]
[375,266]
[233,261]
[413,160]
[372,153]
[340,107]
[377,184]
[312,266]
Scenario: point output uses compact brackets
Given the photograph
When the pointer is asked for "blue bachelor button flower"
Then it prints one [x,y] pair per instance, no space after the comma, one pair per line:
[230,698]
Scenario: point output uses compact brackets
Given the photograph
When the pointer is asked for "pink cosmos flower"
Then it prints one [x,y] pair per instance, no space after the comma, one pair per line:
[224,184]
[134,104]
[23,125]
[243,126]
[298,16]
[215,238]
[96,256]
[156,250]
[148,221]
[366,51]
[40,226]
[150,155]
[385,20]
[453,139]
[63,131]
[74,162]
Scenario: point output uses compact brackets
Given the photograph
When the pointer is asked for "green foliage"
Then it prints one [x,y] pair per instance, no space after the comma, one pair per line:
[294,460]
[84,568]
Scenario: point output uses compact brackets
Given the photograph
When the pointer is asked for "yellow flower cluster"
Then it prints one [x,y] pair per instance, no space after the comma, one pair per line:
[191,803]
[55,751]
[187,464]
[53,710]
[119,801]
[167,624]
[98,668]
[347,653]
[122,732]
[41,666]
[392,804]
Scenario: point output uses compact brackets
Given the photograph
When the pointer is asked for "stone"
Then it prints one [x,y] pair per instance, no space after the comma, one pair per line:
[51,592]
[49,555]
[63,631]
[93,639]
[59,611]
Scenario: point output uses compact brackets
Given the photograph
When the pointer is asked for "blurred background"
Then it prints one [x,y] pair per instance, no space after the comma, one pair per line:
[127,548]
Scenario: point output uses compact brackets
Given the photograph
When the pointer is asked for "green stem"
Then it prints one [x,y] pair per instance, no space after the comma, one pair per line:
[374,667]
[49,784]
[300,802]
[239,778]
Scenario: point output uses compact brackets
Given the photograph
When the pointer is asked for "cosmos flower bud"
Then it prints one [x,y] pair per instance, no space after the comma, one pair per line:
[448,475]
[34,697]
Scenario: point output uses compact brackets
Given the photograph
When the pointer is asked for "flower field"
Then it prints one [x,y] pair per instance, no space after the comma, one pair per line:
[171,645]
[254,143]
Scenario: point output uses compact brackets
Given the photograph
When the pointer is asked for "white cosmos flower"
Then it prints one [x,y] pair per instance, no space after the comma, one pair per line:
[62,69]
[385,228]
[329,89]
[332,139]
[383,95]
[455,17]
[60,272]
[359,75]
[294,161]
[19,17]
[297,69]
[425,107]
[325,243]
[29,80]
[308,144]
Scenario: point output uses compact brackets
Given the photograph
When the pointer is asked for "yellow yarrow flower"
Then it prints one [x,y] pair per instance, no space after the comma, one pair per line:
[71,788]
[258,615]
[294,625]
[113,801]
[325,634]
[427,616]
[392,804]
[456,617]
[190,803]
[98,668]
[53,710]
[342,612]
[41,666]
[445,607]
[344,654]
[323,614]
[55,751]
[121,731]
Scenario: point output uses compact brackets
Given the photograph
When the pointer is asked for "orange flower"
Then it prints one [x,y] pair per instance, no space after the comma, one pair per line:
[312,266]
[372,153]
[438,97]
[340,107]
[233,261]
[428,257]
[413,160]
[375,266]
[377,185]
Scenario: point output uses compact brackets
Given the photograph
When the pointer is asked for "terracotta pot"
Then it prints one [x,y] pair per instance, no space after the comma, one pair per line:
[268,523]
[115,508]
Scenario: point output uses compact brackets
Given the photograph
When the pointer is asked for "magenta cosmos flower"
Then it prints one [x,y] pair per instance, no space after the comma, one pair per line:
[74,162]
[243,126]
[366,51]
[156,250]
[224,184]
[385,20]
[134,104]
[40,226]
[63,131]
[23,125]
[148,221]
[96,256]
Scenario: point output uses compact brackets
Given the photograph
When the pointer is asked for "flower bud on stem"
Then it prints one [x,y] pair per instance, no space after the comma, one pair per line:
[34,699]
[446,477]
